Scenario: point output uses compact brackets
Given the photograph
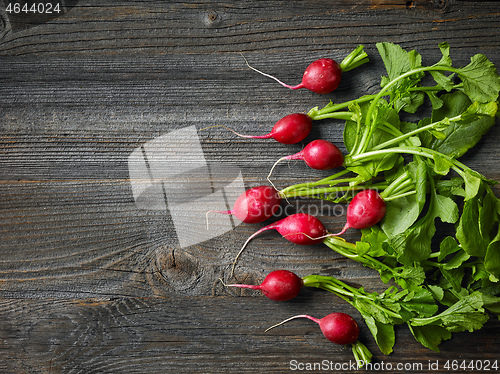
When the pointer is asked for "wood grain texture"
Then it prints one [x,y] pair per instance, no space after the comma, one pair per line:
[92,283]
[186,334]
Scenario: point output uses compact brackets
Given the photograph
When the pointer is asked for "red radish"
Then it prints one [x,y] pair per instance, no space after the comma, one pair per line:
[290,129]
[318,154]
[321,76]
[278,285]
[339,328]
[365,210]
[255,205]
[299,228]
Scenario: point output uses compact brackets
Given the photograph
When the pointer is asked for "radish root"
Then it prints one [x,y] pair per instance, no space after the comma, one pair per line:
[270,76]
[294,317]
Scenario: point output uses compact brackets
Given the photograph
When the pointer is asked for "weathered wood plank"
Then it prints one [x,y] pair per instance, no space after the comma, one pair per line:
[151,27]
[198,334]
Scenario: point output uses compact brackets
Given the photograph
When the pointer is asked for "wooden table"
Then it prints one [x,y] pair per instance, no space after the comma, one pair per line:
[92,281]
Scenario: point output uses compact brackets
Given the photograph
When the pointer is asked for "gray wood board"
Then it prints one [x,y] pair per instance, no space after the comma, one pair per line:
[93,283]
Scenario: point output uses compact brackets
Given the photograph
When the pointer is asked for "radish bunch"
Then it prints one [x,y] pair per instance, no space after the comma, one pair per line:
[261,203]
[365,210]
[299,228]
[410,163]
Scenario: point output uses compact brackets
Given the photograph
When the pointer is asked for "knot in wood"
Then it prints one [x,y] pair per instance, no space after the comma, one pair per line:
[178,269]
[432,5]
[211,18]
[3,25]
[440,4]
[410,4]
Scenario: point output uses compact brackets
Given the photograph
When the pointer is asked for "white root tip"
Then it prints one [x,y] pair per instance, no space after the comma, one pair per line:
[310,237]
[268,75]
[217,211]
[271,171]
[227,128]
[239,254]
[206,217]
[289,319]
[269,227]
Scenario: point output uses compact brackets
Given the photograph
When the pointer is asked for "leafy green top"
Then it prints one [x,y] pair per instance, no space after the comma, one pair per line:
[416,168]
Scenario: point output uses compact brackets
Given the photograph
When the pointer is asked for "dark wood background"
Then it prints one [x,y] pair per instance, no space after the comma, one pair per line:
[91,283]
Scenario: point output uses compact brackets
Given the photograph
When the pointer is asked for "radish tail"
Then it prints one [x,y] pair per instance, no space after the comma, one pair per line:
[269,227]
[346,227]
[310,237]
[271,171]
[272,77]
[252,287]
[297,156]
[218,211]
[267,136]
[294,317]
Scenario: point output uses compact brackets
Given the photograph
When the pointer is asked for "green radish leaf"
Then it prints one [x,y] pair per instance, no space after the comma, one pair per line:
[430,336]
[436,102]
[414,244]
[400,215]
[397,61]
[472,184]
[446,209]
[446,59]
[441,165]
[376,240]
[363,248]
[411,277]
[454,277]
[492,261]
[451,187]
[383,333]
[460,135]
[492,304]
[447,246]
[468,230]
[480,79]
[419,303]
[354,129]
[467,314]
[456,261]
[437,292]
[444,81]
